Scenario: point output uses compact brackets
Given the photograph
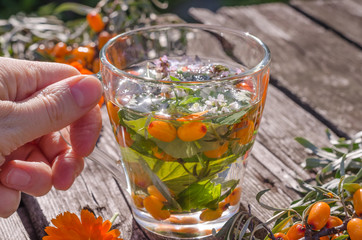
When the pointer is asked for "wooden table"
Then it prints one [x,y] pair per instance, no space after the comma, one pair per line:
[316,83]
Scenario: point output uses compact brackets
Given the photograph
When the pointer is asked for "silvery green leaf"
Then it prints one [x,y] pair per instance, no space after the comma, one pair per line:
[74,7]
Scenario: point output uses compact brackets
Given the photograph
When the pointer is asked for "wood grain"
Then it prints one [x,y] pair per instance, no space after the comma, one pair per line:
[317,67]
[343,16]
[17,227]
[320,69]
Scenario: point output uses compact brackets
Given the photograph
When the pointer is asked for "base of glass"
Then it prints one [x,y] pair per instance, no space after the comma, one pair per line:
[183,226]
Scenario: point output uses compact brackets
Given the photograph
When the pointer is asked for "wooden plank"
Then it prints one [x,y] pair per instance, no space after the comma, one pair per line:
[343,16]
[16,227]
[318,67]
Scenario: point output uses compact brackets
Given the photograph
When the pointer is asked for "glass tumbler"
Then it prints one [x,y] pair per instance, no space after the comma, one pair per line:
[185,103]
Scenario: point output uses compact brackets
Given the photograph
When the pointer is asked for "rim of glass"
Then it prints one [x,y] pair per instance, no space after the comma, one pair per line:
[258,67]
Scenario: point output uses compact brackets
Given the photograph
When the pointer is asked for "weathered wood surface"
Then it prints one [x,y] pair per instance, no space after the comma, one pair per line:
[315,88]
[320,69]
[345,17]
[17,226]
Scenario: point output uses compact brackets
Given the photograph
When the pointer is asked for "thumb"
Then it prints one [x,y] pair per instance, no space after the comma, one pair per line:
[48,110]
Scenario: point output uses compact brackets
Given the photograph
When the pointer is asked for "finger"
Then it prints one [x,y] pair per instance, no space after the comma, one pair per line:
[51,109]
[65,169]
[33,178]
[52,145]
[22,78]
[10,200]
[85,131]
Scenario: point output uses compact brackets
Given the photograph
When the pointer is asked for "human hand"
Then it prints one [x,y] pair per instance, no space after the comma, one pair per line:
[36,100]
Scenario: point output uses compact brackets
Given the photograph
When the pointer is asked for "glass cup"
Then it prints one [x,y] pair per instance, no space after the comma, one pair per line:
[185,103]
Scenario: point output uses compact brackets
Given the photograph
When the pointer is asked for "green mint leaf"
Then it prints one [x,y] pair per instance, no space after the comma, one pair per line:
[199,195]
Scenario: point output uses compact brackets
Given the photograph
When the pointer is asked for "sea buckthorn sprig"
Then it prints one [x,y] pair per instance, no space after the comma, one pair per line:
[330,209]
[36,37]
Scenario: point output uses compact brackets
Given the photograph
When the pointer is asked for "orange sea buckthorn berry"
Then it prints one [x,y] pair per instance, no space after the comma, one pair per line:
[280,236]
[162,155]
[103,38]
[330,195]
[95,21]
[357,202]
[101,101]
[193,116]
[324,238]
[354,228]
[154,207]
[188,230]
[210,215]
[224,205]
[96,65]
[163,131]
[165,228]
[191,131]
[42,49]
[218,152]
[138,200]
[318,215]
[333,221]
[60,50]
[84,54]
[234,197]
[183,220]
[246,85]
[123,137]
[244,131]
[152,190]
[296,231]
[112,110]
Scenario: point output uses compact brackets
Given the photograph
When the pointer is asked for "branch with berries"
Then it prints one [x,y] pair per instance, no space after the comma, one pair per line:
[330,208]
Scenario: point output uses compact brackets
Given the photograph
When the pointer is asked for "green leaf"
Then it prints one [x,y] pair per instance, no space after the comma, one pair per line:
[278,227]
[311,163]
[160,185]
[342,237]
[233,118]
[198,195]
[260,194]
[74,7]
[351,187]
[189,99]
[229,225]
[175,79]
[245,227]
[305,143]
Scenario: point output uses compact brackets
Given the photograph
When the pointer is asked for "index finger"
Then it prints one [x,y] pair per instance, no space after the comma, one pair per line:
[23,77]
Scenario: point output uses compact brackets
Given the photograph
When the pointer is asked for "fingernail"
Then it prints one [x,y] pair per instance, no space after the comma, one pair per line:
[18,178]
[87,91]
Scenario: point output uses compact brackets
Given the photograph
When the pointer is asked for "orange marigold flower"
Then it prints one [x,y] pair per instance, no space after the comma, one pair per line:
[68,226]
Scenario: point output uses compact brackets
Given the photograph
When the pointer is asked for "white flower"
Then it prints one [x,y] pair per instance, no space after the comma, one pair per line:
[132,101]
[211,101]
[234,106]
[195,107]
[213,110]
[225,110]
